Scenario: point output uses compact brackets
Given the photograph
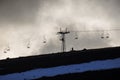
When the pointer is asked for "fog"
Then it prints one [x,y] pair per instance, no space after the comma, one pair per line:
[31,22]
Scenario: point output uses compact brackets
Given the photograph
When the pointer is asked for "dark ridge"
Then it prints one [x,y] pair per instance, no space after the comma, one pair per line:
[57,59]
[112,74]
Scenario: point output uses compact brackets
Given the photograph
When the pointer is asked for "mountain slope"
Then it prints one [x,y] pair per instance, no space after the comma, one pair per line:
[58,59]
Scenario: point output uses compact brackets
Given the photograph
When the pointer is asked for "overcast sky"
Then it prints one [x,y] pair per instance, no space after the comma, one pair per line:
[30,22]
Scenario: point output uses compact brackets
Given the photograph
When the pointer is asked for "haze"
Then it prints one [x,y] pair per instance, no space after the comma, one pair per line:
[30,22]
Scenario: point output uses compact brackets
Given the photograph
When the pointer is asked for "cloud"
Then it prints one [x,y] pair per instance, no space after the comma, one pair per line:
[18,12]
[29,21]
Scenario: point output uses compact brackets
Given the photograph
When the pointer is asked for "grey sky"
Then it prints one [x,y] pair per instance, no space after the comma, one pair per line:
[29,21]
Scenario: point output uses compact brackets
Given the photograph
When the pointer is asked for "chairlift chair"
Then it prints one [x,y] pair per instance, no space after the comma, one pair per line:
[107,35]
[28,46]
[76,36]
[44,41]
[102,36]
[5,51]
[8,49]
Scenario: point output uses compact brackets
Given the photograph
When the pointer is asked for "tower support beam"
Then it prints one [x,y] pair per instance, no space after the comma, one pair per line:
[63,36]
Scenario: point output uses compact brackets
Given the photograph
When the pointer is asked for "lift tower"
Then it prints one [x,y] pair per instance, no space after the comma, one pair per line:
[63,33]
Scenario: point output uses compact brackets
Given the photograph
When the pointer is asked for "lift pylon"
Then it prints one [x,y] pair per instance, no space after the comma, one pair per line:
[63,34]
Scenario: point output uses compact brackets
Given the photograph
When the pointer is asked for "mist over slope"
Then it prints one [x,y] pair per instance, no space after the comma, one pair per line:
[24,22]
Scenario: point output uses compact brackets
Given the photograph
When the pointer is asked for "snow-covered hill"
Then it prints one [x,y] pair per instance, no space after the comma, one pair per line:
[53,71]
[51,65]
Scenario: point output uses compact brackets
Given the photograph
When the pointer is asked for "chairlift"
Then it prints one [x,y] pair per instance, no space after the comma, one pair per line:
[44,41]
[76,36]
[5,51]
[102,36]
[8,49]
[28,45]
[107,35]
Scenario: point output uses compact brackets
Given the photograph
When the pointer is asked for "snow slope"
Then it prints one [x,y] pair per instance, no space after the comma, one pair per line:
[53,71]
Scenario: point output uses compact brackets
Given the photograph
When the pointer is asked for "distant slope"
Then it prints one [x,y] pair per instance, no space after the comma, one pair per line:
[57,59]
[112,74]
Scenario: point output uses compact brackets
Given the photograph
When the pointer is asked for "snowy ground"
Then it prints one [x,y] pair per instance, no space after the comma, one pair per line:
[38,73]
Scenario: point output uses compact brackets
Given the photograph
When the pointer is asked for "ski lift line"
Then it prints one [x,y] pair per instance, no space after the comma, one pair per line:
[97,30]
[7,49]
